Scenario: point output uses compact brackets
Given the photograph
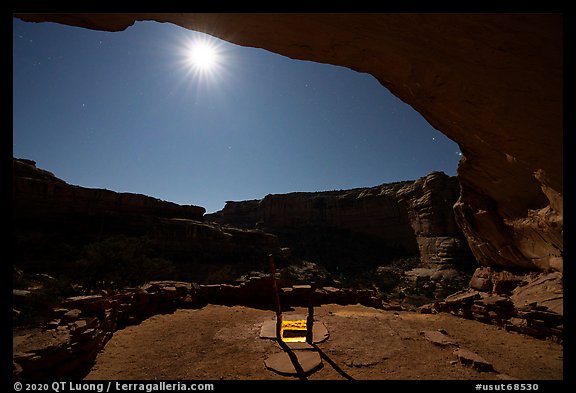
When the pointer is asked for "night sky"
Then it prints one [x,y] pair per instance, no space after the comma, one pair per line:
[130,112]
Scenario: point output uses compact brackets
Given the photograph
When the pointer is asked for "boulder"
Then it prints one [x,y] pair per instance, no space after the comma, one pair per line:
[438,338]
[471,359]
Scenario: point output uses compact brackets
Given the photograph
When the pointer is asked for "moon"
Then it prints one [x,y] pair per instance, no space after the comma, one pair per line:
[203,56]
[202,60]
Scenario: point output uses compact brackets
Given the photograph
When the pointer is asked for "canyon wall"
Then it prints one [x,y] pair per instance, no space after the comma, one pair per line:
[54,220]
[491,82]
[38,193]
[410,218]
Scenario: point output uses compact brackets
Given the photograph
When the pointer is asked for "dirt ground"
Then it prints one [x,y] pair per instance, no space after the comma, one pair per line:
[220,342]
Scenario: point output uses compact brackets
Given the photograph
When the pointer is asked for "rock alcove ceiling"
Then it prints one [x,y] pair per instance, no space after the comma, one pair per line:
[490,82]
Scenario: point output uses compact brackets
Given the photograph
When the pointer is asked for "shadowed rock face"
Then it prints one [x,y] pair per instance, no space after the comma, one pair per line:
[52,220]
[410,217]
[38,193]
[490,82]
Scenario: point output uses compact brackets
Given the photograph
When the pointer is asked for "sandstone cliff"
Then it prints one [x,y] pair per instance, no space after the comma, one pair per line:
[493,83]
[490,82]
[37,192]
[411,218]
[53,220]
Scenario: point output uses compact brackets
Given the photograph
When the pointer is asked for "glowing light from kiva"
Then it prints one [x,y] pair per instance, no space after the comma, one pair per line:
[293,331]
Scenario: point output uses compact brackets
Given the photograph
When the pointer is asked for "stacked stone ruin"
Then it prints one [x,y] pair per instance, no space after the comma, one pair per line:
[508,300]
[81,326]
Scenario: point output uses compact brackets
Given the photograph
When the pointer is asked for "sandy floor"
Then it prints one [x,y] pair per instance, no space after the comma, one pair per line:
[219,342]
